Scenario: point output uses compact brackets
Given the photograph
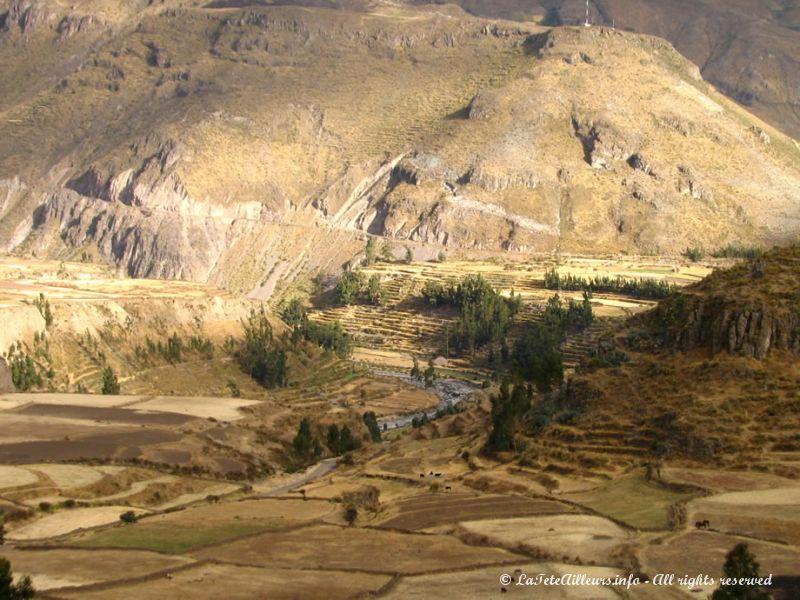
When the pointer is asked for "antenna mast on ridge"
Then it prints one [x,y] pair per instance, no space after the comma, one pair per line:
[586,23]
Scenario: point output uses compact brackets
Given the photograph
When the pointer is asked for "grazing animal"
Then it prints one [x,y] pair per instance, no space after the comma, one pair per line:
[438,475]
[448,488]
[422,475]
[703,524]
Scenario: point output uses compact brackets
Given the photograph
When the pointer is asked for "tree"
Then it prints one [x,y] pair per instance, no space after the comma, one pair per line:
[259,355]
[416,372]
[409,255]
[430,374]
[386,252]
[2,534]
[501,437]
[334,439]
[303,441]
[294,312]
[371,421]
[376,295]
[23,590]
[347,442]
[128,517]
[740,563]
[350,515]
[370,252]
[110,382]
[349,287]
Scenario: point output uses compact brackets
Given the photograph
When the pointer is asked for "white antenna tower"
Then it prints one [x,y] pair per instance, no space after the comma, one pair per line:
[586,23]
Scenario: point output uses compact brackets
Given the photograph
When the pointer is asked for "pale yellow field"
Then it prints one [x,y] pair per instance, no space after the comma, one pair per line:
[586,537]
[222,409]
[67,521]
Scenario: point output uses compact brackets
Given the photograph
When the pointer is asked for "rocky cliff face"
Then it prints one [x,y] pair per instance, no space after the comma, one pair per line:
[749,310]
[748,330]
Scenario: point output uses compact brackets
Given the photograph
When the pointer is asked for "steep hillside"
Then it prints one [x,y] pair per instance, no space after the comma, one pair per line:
[749,49]
[244,143]
[710,375]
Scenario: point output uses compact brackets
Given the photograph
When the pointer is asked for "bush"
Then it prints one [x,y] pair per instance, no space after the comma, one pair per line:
[350,287]
[128,517]
[694,254]
[351,515]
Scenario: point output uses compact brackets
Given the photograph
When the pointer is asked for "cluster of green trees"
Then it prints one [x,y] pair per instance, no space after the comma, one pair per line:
[485,315]
[304,444]
[428,375]
[636,288]
[536,356]
[696,253]
[353,287]
[509,407]
[24,371]
[737,251]
[22,590]
[372,254]
[172,350]
[341,441]
[371,421]
[330,336]
[260,355]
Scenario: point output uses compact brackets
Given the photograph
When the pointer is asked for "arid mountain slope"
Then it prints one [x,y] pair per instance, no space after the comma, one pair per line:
[749,49]
[242,145]
[711,374]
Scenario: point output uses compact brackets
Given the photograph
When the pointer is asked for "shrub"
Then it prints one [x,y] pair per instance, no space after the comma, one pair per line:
[694,254]
[351,515]
[128,517]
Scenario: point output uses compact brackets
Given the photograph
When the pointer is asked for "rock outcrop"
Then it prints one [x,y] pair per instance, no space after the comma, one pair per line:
[739,311]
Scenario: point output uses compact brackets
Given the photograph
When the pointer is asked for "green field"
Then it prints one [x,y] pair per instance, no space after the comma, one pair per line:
[632,500]
[170,538]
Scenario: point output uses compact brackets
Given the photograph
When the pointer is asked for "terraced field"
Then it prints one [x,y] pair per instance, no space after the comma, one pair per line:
[391,335]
